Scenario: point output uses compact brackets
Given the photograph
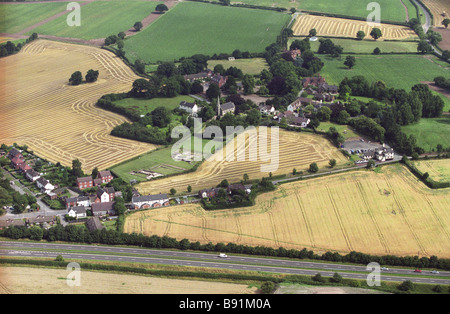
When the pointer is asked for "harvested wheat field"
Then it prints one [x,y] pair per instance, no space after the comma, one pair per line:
[60,122]
[439,170]
[20,280]
[440,10]
[330,26]
[295,150]
[389,212]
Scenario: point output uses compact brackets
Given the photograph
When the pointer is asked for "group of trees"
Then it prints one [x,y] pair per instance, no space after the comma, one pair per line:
[10,48]
[10,197]
[442,82]
[77,77]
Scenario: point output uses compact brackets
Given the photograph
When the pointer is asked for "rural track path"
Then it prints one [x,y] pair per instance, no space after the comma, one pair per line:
[406,10]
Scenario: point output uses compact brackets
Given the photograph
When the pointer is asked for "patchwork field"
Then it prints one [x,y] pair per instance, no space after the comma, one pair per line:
[330,26]
[438,8]
[389,212]
[99,19]
[296,150]
[439,170]
[195,28]
[57,121]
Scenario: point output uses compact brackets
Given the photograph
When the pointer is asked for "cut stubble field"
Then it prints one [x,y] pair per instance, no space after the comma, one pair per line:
[296,150]
[439,170]
[384,213]
[60,122]
[338,27]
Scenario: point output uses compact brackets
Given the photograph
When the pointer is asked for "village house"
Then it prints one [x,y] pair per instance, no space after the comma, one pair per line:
[198,76]
[14,152]
[41,220]
[44,185]
[326,88]
[235,187]
[291,55]
[32,175]
[71,202]
[101,209]
[24,167]
[105,176]
[225,108]
[313,80]
[326,97]
[83,201]
[299,121]
[77,212]
[191,108]
[85,183]
[266,109]
[208,193]
[219,80]
[11,222]
[17,161]
[105,195]
[149,201]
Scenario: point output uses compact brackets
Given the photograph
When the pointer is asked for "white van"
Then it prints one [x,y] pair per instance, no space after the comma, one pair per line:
[222,255]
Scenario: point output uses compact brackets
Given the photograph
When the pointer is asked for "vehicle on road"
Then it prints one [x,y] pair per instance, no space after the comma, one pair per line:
[417,271]
[384,268]
[222,255]
[434,272]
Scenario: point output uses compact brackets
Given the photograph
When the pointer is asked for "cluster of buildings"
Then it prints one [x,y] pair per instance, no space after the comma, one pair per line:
[379,154]
[214,192]
[18,162]
[221,109]
[207,77]
[101,203]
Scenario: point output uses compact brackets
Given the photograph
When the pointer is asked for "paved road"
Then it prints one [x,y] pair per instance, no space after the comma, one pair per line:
[286,266]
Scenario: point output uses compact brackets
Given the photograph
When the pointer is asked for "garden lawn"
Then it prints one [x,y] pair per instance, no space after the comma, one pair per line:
[197,28]
[345,130]
[430,132]
[16,17]
[100,19]
[252,66]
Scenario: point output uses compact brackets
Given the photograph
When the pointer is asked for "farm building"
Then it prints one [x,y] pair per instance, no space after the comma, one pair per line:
[149,201]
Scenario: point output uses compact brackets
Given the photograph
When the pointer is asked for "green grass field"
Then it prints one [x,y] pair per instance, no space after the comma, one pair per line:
[346,131]
[144,106]
[100,19]
[430,132]
[190,28]
[248,66]
[16,17]
[367,46]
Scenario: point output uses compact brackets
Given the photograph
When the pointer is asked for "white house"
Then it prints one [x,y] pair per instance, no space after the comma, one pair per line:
[32,175]
[44,185]
[77,212]
[148,201]
[84,201]
[191,108]
[266,109]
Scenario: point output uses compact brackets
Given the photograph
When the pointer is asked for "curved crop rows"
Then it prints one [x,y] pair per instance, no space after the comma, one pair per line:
[58,121]
[440,10]
[296,150]
[330,26]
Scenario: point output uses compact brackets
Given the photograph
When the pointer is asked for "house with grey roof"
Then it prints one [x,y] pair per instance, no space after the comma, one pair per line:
[149,201]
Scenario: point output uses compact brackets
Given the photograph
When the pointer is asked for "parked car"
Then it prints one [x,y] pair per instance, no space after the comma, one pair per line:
[417,271]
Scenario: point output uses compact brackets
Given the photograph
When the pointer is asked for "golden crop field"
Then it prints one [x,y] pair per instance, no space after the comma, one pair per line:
[296,150]
[389,212]
[60,122]
[438,169]
[330,26]
[440,10]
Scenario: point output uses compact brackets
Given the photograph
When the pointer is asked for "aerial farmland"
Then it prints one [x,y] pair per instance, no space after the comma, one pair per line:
[224,147]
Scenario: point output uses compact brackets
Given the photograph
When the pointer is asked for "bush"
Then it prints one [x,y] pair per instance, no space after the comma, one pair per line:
[267,287]
[336,278]
[406,285]
[318,278]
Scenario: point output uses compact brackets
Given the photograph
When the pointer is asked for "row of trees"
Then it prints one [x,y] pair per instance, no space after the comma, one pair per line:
[9,48]
[72,233]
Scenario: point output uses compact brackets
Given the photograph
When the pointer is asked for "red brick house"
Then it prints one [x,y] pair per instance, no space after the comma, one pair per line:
[17,161]
[314,81]
[105,176]
[85,183]
[219,79]
[23,167]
